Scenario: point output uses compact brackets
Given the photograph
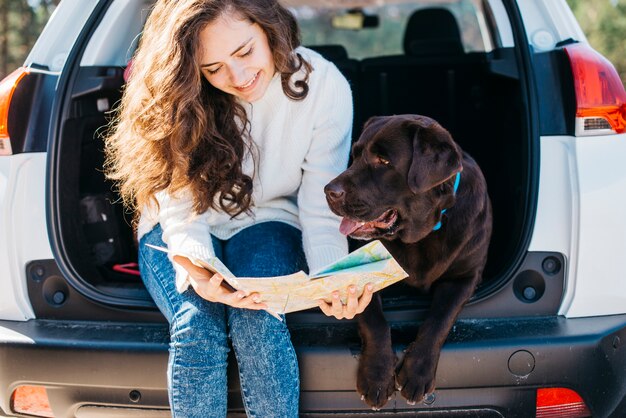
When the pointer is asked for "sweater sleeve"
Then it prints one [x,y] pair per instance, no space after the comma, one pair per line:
[183,232]
[326,158]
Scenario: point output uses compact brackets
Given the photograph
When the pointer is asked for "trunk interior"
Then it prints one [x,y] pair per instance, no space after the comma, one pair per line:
[477,96]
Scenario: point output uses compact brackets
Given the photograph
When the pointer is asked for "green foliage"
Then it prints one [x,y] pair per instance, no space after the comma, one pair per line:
[21,21]
[604,24]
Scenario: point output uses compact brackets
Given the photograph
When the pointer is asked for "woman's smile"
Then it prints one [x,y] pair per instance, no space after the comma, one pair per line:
[250,84]
[235,57]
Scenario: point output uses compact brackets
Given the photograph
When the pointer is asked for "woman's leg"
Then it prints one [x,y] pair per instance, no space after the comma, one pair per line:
[267,362]
[198,341]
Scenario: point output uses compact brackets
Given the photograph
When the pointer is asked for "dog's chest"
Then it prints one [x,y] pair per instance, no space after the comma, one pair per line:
[421,263]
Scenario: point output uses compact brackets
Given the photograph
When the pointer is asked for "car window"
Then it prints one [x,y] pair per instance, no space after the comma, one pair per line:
[496,16]
[386,38]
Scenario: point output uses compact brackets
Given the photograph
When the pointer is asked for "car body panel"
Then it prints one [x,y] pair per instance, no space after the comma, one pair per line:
[548,22]
[582,193]
[600,286]
[23,224]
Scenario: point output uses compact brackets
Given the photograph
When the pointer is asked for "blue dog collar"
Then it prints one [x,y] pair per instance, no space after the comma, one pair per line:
[456,187]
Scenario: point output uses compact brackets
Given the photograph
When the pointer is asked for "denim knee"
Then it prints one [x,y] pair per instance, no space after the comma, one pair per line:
[193,320]
[264,250]
[198,338]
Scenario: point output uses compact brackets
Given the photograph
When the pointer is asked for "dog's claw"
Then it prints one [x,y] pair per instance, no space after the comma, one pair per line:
[362,397]
[429,398]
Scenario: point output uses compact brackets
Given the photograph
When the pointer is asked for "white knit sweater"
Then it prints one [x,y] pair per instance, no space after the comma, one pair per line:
[301,145]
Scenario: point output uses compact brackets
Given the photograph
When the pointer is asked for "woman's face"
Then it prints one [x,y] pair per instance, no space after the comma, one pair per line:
[235,57]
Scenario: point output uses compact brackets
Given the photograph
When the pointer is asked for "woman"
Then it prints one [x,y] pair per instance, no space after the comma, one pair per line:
[227,132]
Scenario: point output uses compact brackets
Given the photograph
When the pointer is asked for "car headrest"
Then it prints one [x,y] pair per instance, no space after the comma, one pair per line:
[432,32]
[332,53]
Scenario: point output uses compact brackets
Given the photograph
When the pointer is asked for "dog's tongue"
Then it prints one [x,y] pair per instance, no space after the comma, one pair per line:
[348,226]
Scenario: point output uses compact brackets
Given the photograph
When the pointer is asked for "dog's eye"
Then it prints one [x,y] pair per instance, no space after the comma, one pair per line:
[382,160]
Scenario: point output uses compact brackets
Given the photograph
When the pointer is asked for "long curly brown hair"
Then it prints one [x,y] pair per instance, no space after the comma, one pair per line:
[173,130]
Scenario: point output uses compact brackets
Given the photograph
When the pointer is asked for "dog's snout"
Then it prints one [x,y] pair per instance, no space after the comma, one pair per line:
[334,192]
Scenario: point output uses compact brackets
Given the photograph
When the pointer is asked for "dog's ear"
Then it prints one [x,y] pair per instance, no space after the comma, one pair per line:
[375,122]
[436,157]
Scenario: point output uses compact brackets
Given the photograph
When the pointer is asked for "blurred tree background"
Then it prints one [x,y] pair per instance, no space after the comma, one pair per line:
[604,23]
[21,21]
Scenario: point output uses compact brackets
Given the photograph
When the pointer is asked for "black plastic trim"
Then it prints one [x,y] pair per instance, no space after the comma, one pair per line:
[59,113]
[529,95]
[96,80]
[557,102]
[29,112]
[102,362]
[536,289]
[52,297]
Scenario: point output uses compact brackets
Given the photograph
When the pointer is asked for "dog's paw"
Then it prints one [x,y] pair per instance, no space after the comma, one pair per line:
[375,378]
[415,376]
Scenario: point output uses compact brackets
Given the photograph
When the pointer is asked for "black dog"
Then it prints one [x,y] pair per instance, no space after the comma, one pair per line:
[411,186]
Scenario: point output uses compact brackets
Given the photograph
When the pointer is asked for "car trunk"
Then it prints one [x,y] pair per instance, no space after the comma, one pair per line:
[481,97]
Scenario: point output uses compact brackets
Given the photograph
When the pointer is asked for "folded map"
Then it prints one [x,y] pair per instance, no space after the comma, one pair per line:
[371,263]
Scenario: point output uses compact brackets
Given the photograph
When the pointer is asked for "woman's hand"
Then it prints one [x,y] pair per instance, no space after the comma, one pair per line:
[209,286]
[353,306]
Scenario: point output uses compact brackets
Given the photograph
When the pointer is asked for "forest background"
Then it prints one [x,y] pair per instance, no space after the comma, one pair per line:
[21,21]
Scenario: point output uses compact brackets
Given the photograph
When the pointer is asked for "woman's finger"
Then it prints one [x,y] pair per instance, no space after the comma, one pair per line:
[365,298]
[203,288]
[191,268]
[352,304]
[252,301]
[337,306]
[215,283]
[325,307]
[210,288]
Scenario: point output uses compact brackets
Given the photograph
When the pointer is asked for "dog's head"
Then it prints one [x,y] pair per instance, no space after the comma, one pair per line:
[400,180]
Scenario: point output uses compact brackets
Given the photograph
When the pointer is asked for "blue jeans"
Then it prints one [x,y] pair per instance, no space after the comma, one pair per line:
[199,329]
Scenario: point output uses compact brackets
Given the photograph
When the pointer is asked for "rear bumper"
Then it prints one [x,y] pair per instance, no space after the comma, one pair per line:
[491,366]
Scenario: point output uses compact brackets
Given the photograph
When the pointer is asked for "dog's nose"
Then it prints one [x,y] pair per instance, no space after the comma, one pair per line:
[334,192]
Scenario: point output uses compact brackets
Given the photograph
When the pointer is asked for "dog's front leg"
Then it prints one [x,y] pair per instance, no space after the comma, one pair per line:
[416,373]
[375,376]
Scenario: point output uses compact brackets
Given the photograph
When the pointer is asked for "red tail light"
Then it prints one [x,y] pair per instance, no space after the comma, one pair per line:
[31,400]
[600,95]
[7,88]
[560,403]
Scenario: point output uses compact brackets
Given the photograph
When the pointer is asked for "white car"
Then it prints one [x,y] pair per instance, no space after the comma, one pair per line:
[519,88]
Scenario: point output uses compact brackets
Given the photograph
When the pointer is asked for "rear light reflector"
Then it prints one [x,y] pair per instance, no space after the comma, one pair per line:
[560,403]
[31,400]
[600,95]
[7,88]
